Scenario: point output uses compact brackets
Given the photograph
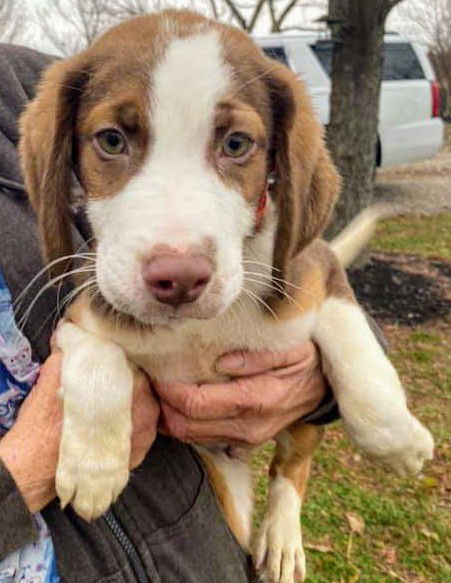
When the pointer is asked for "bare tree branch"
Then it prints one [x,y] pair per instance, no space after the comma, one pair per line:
[288,8]
[214,9]
[11,19]
[272,13]
[236,13]
[256,14]
[71,25]
[246,14]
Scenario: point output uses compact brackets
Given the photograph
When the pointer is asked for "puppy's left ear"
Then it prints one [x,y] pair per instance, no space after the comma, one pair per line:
[307,183]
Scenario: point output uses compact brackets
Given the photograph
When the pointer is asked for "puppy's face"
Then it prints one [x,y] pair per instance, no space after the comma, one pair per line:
[173,166]
[173,133]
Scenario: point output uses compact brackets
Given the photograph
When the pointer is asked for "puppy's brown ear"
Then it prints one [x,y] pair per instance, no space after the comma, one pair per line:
[46,149]
[307,182]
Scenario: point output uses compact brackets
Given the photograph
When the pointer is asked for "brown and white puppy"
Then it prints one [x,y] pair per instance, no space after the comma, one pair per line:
[174,125]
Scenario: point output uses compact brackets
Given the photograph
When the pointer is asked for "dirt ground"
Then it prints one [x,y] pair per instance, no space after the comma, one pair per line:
[403,289]
[408,289]
[420,187]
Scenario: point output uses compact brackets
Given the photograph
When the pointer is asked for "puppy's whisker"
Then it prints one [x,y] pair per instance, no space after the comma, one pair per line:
[276,280]
[21,297]
[261,301]
[251,298]
[263,283]
[268,265]
[84,256]
[57,312]
[45,287]
[275,288]
[92,282]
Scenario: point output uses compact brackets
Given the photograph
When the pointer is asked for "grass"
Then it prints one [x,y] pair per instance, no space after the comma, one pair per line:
[427,236]
[406,521]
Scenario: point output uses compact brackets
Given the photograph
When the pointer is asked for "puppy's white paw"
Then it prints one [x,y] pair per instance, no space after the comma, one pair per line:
[97,385]
[415,446]
[279,555]
[403,445]
[91,472]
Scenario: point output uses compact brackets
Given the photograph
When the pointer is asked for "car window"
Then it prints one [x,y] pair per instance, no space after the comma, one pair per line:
[277,53]
[323,51]
[400,60]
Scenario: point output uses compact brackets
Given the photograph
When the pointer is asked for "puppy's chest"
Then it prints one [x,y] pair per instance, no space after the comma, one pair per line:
[189,352]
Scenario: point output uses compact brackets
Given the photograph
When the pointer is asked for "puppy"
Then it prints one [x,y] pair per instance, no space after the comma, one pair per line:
[207,185]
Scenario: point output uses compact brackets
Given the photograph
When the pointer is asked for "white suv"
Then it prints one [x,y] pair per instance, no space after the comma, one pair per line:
[410,127]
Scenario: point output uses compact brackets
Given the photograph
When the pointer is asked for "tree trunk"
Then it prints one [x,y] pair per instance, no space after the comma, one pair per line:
[356,81]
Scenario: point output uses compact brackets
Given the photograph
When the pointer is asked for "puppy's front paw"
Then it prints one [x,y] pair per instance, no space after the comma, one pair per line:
[91,472]
[415,446]
[401,443]
[279,555]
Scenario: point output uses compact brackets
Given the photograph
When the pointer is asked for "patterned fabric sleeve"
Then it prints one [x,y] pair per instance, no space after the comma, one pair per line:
[18,372]
[35,562]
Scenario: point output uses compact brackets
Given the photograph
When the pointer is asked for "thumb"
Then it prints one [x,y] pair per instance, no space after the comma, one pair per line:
[50,372]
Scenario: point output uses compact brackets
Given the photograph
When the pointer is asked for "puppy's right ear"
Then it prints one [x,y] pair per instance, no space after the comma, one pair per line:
[46,150]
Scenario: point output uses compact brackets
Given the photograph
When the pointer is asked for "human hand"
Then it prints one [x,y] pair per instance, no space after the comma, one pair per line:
[270,390]
[30,449]
[145,414]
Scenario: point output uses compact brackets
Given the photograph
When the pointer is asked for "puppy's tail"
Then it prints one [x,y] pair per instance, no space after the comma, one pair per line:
[353,239]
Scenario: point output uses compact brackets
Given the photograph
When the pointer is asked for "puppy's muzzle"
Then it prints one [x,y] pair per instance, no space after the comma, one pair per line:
[177,279]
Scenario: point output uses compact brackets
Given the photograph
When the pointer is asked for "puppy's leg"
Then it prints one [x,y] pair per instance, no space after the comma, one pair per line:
[279,553]
[97,384]
[231,479]
[370,396]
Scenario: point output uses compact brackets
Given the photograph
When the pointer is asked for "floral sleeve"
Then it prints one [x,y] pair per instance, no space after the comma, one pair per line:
[18,372]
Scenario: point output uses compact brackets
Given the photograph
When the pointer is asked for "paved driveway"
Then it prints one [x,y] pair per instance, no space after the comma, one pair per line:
[421,187]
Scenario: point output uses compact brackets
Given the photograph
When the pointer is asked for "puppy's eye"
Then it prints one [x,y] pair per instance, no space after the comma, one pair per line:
[112,142]
[237,145]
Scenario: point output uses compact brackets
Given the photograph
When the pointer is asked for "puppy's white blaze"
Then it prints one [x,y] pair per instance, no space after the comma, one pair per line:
[187,86]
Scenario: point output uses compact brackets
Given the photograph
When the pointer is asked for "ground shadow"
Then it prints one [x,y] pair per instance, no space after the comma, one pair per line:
[403,289]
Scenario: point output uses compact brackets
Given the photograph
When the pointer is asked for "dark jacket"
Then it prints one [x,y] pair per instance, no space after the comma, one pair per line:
[166,526]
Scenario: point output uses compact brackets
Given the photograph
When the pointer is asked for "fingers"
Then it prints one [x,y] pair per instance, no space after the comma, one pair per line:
[145,414]
[248,410]
[242,363]
[145,407]
[54,340]
[260,394]
[220,401]
[237,430]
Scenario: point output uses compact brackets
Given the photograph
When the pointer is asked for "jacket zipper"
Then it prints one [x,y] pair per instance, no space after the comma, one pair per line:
[132,554]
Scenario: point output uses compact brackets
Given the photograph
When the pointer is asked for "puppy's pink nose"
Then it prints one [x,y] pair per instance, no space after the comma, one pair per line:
[177,279]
